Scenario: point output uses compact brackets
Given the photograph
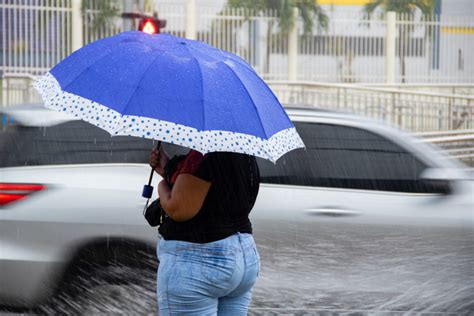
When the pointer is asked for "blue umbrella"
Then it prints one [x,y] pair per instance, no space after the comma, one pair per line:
[171,89]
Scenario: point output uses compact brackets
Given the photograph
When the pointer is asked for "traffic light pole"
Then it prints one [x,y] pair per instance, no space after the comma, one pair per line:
[127,23]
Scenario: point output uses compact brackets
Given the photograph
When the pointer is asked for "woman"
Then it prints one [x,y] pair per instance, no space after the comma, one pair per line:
[208,258]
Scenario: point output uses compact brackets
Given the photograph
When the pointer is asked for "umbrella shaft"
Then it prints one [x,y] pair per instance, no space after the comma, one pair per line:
[152,170]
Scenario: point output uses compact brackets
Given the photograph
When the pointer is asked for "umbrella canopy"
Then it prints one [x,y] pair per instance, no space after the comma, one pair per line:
[172,89]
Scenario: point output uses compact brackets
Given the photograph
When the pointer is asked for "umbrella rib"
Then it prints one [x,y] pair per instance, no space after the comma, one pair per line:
[202,86]
[138,85]
[94,62]
[202,89]
[87,68]
[246,91]
[202,94]
[237,59]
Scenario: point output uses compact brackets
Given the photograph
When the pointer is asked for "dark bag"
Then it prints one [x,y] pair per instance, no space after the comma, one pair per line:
[154,213]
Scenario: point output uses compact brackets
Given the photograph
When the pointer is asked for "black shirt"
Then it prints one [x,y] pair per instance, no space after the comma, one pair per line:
[235,182]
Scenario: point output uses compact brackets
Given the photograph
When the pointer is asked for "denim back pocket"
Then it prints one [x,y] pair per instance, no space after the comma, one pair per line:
[218,264]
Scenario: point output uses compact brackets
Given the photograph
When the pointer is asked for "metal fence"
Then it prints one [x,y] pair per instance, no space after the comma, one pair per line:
[17,89]
[435,49]
[457,144]
[430,114]
[412,110]
[36,34]
[415,111]
[94,27]
[445,88]
[350,50]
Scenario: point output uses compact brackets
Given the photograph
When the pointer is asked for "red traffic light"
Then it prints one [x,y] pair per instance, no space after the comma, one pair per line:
[148,26]
[151,25]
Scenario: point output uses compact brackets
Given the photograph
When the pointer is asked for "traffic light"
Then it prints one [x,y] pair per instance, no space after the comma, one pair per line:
[151,25]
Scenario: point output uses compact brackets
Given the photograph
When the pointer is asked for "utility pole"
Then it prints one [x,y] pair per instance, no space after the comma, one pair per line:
[127,24]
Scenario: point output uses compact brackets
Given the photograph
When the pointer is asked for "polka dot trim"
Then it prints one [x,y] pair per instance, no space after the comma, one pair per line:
[128,125]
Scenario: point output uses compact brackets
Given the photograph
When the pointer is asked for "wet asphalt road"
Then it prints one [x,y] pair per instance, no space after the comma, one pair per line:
[366,268]
[339,270]
[378,272]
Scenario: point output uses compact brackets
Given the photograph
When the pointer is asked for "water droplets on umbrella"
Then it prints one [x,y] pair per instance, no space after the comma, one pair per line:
[175,111]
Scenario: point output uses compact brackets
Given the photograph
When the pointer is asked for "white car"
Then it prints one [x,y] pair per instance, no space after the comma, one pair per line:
[366,218]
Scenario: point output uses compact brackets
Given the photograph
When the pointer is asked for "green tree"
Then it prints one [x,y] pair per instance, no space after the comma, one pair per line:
[406,7]
[101,14]
[400,6]
[309,11]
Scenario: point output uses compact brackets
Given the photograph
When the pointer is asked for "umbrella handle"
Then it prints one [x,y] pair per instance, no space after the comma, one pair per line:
[148,188]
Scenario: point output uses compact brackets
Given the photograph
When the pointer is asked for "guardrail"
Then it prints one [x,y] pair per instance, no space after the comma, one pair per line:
[457,144]
[412,110]
[16,89]
[446,88]
[429,115]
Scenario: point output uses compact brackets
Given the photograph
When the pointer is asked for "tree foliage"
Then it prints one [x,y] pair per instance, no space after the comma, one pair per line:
[400,6]
[106,11]
[309,11]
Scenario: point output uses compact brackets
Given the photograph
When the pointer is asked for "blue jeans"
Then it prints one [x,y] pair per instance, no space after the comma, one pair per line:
[214,278]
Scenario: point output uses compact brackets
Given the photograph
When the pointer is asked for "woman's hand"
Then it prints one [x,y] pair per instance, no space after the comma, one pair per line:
[158,160]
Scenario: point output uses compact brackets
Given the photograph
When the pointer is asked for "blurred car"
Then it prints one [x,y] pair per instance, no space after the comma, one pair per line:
[366,218]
